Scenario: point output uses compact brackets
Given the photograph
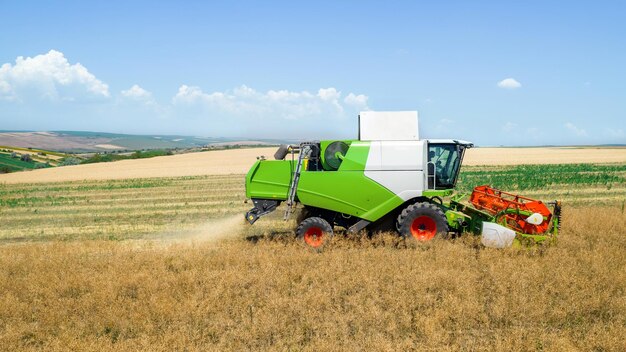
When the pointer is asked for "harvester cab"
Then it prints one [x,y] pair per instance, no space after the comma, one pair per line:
[387,179]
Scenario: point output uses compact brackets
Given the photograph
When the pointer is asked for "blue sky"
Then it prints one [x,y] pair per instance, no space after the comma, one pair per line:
[496,73]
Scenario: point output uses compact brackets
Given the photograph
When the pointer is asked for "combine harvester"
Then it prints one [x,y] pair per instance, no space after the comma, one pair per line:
[389,179]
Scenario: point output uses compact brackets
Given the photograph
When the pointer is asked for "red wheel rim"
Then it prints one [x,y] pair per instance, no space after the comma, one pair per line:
[314,237]
[423,228]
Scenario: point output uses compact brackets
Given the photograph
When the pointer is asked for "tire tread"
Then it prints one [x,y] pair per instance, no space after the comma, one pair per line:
[315,221]
[406,212]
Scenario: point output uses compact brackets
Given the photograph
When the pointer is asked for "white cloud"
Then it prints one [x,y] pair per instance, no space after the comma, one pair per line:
[136,92]
[279,103]
[5,87]
[273,111]
[187,94]
[54,89]
[49,76]
[332,96]
[357,101]
[329,94]
[575,130]
[509,83]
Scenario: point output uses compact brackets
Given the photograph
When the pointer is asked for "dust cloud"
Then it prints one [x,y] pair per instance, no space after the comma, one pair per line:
[210,231]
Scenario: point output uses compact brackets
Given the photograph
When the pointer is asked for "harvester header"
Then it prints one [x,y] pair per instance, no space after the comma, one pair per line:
[390,179]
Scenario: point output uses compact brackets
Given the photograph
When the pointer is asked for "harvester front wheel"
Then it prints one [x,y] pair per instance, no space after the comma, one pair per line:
[422,222]
[315,232]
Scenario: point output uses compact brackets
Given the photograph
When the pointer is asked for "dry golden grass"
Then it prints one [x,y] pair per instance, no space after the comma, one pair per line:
[238,161]
[220,162]
[267,292]
[164,264]
[553,155]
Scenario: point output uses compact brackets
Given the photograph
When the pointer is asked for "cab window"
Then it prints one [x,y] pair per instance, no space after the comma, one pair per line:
[444,161]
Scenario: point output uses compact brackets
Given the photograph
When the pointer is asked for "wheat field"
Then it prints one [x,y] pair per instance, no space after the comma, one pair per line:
[264,291]
[238,161]
[167,263]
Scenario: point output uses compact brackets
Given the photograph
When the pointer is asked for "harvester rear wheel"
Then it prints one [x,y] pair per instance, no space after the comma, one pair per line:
[315,232]
[422,222]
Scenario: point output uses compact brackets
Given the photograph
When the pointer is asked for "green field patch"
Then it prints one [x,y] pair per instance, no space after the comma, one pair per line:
[537,177]
[15,164]
[33,150]
[125,185]
[85,187]
[35,201]
[101,158]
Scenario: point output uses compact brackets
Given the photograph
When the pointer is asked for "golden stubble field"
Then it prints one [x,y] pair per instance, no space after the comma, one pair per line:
[168,264]
[262,290]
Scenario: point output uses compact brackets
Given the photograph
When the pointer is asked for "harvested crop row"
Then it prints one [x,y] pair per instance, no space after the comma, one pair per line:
[450,294]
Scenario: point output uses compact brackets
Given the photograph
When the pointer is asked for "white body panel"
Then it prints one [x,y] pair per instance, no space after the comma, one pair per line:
[402,155]
[388,126]
[398,166]
[405,184]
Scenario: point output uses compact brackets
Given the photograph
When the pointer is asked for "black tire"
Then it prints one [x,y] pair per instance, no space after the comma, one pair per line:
[315,232]
[422,222]
[282,152]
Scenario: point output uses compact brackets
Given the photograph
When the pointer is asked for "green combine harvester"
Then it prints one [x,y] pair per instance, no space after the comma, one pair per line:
[389,179]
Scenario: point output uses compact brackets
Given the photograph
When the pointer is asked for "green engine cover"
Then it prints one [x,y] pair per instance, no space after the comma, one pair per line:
[346,190]
[269,179]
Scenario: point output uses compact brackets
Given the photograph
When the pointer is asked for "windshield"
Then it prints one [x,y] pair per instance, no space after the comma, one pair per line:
[444,161]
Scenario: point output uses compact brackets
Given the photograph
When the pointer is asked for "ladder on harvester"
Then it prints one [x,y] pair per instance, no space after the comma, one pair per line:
[291,196]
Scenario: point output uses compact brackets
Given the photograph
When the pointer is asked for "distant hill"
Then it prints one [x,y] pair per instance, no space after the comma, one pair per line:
[85,142]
